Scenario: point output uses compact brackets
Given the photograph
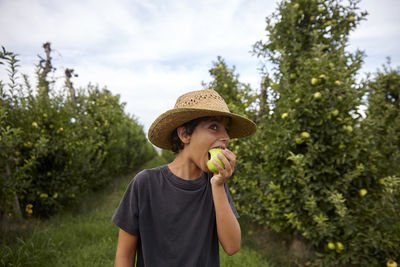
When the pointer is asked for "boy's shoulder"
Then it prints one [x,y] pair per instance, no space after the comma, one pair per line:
[146,174]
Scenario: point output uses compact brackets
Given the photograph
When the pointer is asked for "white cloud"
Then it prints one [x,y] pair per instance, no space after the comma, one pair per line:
[150,52]
[379,35]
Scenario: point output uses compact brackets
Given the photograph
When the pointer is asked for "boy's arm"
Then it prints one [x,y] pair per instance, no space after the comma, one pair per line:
[228,227]
[126,249]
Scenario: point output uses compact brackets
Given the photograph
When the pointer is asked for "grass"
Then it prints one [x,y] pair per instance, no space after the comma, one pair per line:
[85,236]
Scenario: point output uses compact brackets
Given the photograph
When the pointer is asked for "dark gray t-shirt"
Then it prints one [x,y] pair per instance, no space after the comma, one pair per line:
[174,219]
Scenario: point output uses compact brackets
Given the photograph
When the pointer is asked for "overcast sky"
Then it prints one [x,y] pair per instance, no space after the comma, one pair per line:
[150,52]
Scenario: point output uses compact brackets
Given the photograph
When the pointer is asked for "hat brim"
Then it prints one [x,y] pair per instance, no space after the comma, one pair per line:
[161,129]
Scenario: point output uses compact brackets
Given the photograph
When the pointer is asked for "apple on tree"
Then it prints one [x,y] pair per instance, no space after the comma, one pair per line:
[305,135]
[339,247]
[335,112]
[331,246]
[317,95]
[314,81]
[363,192]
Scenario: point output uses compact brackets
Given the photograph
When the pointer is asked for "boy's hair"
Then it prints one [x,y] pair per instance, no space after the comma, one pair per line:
[176,142]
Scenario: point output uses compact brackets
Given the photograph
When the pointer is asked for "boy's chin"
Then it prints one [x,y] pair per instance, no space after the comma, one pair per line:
[204,168]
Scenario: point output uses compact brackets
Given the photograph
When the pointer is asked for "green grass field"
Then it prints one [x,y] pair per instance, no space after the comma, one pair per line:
[85,236]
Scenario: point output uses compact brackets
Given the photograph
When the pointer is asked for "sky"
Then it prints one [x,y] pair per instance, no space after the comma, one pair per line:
[151,52]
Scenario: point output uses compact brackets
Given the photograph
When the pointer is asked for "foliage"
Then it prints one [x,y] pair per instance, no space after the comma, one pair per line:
[381,127]
[237,95]
[84,236]
[168,155]
[316,168]
[55,146]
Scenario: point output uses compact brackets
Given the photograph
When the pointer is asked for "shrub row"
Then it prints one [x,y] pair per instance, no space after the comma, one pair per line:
[57,145]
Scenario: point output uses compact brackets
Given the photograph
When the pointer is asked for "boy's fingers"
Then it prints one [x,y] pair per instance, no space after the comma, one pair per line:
[229,165]
[230,157]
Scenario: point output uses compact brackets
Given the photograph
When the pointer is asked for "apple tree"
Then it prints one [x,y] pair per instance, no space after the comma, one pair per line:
[382,124]
[56,146]
[238,96]
[305,172]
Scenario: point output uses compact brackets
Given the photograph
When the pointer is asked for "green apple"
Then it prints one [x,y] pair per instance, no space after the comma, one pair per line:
[363,192]
[284,115]
[335,112]
[339,247]
[298,140]
[296,6]
[391,263]
[305,135]
[293,76]
[331,246]
[338,83]
[317,95]
[352,19]
[348,128]
[214,156]
[314,81]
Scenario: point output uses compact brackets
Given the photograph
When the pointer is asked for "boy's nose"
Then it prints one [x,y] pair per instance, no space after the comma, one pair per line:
[225,137]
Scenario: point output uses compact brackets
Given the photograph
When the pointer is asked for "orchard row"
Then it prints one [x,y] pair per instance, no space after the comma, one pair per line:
[57,145]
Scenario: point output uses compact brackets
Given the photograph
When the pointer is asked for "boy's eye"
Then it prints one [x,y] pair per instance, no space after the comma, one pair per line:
[213,126]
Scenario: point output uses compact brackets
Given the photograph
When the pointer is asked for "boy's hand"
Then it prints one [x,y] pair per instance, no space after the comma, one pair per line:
[224,173]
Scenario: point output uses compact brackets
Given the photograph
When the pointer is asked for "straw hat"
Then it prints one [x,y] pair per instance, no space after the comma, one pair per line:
[194,105]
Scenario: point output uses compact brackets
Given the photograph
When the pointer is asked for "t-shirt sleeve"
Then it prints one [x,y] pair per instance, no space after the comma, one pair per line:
[231,201]
[126,216]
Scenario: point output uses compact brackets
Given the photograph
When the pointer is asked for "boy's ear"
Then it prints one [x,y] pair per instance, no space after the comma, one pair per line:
[182,134]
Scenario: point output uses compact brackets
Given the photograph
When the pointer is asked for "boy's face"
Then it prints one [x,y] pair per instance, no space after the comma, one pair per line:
[208,134]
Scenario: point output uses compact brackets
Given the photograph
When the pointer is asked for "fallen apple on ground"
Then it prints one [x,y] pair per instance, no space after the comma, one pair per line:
[214,156]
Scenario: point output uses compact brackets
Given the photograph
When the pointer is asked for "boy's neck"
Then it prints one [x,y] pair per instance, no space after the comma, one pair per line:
[184,168]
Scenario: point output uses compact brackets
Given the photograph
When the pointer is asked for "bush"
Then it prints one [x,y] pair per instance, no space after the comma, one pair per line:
[58,145]
[315,168]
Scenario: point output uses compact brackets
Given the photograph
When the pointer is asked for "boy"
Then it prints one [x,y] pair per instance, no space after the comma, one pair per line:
[176,214]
